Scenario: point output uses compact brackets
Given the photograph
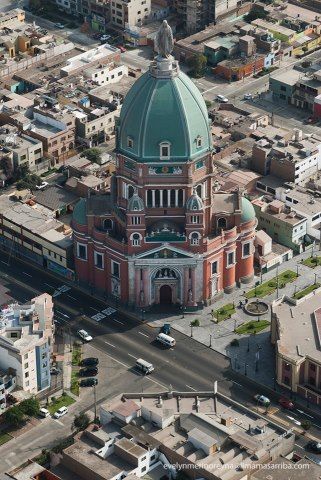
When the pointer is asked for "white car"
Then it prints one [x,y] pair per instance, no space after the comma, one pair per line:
[105,38]
[59,25]
[84,335]
[221,98]
[61,412]
[262,400]
[248,96]
[42,186]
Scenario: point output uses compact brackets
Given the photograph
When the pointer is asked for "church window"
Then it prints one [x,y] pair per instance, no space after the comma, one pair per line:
[214,267]
[195,219]
[108,224]
[130,191]
[199,190]
[221,223]
[199,142]
[230,259]
[136,240]
[164,150]
[130,142]
[195,240]
[115,269]
[136,220]
[246,249]
[99,260]
[82,251]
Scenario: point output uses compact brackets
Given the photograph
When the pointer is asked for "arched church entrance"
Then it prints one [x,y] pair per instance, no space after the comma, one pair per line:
[165,295]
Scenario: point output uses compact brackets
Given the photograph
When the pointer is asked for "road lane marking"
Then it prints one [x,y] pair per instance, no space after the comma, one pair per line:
[58,421]
[28,274]
[63,314]
[118,321]
[51,286]
[110,344]
[70,296]
[132,356]
[236,383]
[4,262]
[144,334]
[303,413]
[192,388]
[95,309]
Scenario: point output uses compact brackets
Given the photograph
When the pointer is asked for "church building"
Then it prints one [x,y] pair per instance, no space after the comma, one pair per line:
[164,234]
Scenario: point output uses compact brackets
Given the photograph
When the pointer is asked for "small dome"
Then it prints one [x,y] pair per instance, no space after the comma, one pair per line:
[248,212]
[194,203]
[135,203]
[79,214]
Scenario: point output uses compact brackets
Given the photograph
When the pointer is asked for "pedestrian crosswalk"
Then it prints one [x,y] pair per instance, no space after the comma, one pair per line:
[107,312]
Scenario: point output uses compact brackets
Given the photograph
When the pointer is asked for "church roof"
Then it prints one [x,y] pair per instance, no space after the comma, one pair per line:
[248,212]
[79,212]
[135,204]
[159,110]
[194,203]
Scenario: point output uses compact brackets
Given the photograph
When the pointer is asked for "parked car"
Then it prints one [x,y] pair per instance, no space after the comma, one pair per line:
[314,447]
[43,412]
[54,371]
[89,362]
[105,38]
[84,335]
[61,412]
[286,403]
[88,382]
[262,400]
[166,328]
[248,96]
[121,48]
[88,372]
[59,25]
[42,186]
[221,98]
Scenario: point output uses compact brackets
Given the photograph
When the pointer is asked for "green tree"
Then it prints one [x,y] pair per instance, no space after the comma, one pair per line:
[92,154]
[30,407]
[198,65]
[14,416]
[81,421]
[254,14]
[306,424]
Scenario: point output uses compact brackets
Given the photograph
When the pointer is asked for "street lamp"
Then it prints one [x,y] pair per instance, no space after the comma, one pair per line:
[142,312]
[210,340]
[95,402]
[274,383]
[245,369]
[248,343]
[315,278]
[191,330]
[297,269]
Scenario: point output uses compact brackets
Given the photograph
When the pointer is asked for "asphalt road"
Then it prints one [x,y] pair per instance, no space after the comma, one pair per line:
[189,366]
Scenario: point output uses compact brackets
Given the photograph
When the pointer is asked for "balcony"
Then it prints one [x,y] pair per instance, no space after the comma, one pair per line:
[165,237]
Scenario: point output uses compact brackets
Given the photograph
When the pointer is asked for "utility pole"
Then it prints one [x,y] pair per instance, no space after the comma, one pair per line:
[215,394]
[95,403]
[277,282]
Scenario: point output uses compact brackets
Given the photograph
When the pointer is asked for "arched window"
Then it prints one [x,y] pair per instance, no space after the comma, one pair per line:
[136,239]
[108,224]
[130,142]
[172,201]
[195,238]
[164,150]
[149,198]
[199,190]
[130,191]
[199,141]
[180,197]
[221,223]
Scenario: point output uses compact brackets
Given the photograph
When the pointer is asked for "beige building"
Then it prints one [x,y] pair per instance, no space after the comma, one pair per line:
[296,333]
[129,13]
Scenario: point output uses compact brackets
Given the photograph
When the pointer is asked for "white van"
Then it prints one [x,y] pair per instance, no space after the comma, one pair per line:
[166,340]
[43,412]
[144,366]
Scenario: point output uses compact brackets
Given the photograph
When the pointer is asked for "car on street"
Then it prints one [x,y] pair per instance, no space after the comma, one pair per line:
[88,382]
[221,98]
[121,48]
[54,371]
[104,38]
[61,412]
[262,400]
[248,96]
[84,335]
[42,186]
[286,403]
[88,372]
[43,412]
[313,446]
[89,362]
[166,328]
[59,25]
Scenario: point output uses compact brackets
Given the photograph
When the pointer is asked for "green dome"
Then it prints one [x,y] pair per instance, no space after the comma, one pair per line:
[248,212]
[79,213]
[159,110]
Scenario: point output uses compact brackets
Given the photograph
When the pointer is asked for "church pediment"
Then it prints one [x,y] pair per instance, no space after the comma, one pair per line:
[165,252]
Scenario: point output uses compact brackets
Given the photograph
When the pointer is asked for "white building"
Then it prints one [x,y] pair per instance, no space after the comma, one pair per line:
[26,342]
[106,74]
[130,13]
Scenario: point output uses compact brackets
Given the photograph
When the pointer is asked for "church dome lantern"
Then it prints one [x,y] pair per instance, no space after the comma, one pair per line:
[194,203]
[135,203]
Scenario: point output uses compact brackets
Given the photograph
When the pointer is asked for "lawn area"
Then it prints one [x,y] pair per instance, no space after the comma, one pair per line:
[312,262]
[269,287]
[253,326]
[62,401]
[74,387]
[306,291]
[76,354]
[4,437]
[224,312]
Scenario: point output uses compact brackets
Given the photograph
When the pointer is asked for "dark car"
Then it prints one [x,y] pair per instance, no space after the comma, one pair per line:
[286,403]
[88,372]
[166,328]
[88,382]
[89,362]
[54,371]
[314,447]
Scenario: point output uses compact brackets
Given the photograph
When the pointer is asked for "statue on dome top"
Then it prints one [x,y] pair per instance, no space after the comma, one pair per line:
[164,42]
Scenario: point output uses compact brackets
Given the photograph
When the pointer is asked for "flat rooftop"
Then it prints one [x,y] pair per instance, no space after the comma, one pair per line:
[298,332]
[289,77]
[265,206]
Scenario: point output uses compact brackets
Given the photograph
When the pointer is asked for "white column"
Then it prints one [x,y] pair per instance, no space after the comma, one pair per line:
[203,190]
[183,197]
[161,198]
[176,198]
[153,198]
[146,198]
[168,198]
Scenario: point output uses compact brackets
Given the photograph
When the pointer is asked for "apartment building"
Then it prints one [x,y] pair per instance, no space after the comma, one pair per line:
[129,13]
[26,342]
[295,332]
[31,231]
[106,74]
[8,382]
[6,18]
[95,127]
[284,225]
